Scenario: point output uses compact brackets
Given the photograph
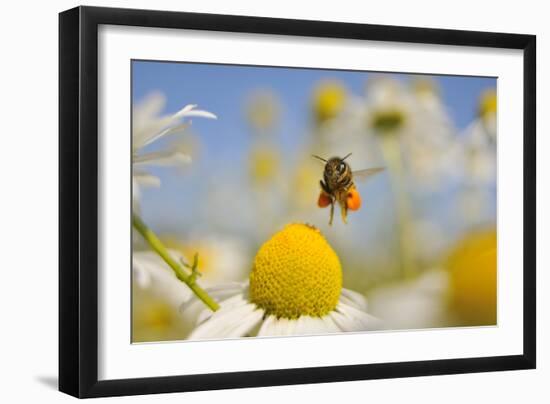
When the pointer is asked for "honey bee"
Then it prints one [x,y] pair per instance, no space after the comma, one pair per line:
[337,186]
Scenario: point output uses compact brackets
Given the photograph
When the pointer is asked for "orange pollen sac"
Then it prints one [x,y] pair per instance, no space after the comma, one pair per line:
[324,200]
[353,200]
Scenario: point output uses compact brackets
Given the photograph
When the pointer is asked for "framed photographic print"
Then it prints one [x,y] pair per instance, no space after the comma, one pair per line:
[252,201]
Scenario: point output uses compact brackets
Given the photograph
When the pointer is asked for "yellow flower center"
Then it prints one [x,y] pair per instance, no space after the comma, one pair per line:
[296,273]
[264,164]
[328,101]
[388,120]
[488,104]
[263,111]
[473,278]
[425,86]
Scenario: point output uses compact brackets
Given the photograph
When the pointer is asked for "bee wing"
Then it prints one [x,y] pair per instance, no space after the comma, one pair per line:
[362,175]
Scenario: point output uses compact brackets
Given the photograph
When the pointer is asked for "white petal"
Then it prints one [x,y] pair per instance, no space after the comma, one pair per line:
[344,322]
[162,158]
[229,322]
[161,133]
[144,114]
[330,325]
[349,318]
[304,325]
[223,292]
[175,129]
[274,326]
[201,114]
[148,127]
[282,326]
[245,325]
[307,325]
[145,180]
[267,327]
[204,315]
[141,276]
[287,327]
[190,111]
[225,305]
[220,293]
[185,110]
[159,127]
[354,299]
[144,133]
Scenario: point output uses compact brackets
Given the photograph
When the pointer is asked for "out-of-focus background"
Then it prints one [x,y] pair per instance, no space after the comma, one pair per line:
[423,247]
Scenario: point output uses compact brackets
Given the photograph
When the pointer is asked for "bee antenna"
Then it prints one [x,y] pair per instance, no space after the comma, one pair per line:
[347,155]
[317,157]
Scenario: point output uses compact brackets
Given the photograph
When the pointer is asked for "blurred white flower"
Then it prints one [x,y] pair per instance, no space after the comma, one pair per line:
[479,143]
[415,115]
[263,110]
[432,237]
[151,272]
[149,126]
[227,259]
[239,317]
[480,163]
[153,277]
[220,258]
[412,304]
[157,298]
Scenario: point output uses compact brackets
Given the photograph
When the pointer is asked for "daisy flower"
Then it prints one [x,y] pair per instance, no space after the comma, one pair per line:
[148,126]
[294,288]
[413,119]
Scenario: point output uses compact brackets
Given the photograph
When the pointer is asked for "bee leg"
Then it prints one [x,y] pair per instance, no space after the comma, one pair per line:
[331,213]
[344,213]
[324,187]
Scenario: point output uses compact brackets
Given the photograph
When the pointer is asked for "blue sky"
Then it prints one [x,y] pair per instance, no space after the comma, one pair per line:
[223,90]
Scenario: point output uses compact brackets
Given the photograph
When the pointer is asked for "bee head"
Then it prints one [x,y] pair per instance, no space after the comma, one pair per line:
[337,168]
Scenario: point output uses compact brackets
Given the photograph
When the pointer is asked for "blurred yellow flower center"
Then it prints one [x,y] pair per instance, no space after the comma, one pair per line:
[263,111]
[328,101]
[473,278]
[488,104]
[296,273]
[425,86]
[264,164]
[388,120]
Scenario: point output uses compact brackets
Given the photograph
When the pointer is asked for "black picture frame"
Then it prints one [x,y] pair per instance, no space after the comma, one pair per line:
[78,201]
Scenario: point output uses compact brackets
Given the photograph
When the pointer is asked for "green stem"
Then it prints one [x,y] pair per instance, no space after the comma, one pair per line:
[181,274]
[392,154]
